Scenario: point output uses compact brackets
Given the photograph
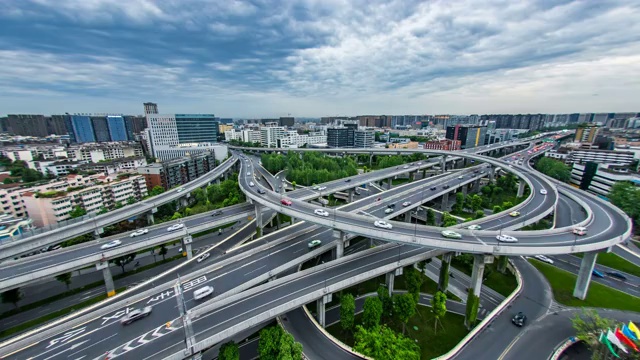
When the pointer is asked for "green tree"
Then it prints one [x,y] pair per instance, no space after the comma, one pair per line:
[413,280]
[497,209]
[12,296]
[65,279]
[476,202]
[588,325]
[156,190]
[479,214]
[347,311]
[103,210]
[77,211]
[554,168]
[229,351]
[459,202]
[131,200]
[448,220]
[176,216]
[163,251]
[200,195]
[380,342]
[438,307]
[626,196]
[507,205]
[385,299]
[118,205]
[372,312]
[404,307]
[294,184]
[124,260]
[276,344]
[431,217]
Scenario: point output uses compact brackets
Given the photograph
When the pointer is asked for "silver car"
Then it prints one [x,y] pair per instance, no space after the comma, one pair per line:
[136,314]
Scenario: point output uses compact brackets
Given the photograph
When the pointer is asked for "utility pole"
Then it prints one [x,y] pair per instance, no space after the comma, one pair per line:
[189,337]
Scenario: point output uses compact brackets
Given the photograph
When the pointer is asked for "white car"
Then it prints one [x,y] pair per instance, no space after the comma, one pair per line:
[514,214]
[322,188]
[180,189]
[139,232]
[474,227]
[203,257]
[202,293]
[321,212]
[543,191]
[111,244]
[451,234]
[544,259]
[460,177]
[506,238]
[405,167]
[579,230]
[406,203]
[251,184]
[388,211]
[175,227]
[383,224]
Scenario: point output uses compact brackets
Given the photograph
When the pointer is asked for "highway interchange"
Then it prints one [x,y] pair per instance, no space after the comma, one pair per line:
[249,267]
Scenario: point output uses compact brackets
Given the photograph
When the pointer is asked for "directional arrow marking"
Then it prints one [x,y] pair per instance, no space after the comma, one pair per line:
[70,348]
[141,340]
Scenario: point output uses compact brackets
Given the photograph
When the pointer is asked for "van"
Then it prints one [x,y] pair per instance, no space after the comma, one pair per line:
[580,231]
[203,292]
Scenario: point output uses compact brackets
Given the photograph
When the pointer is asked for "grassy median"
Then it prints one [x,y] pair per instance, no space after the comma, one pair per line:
[616,262]
[599,296]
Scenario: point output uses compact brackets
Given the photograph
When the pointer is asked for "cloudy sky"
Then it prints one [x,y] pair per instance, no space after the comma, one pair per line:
[260,58]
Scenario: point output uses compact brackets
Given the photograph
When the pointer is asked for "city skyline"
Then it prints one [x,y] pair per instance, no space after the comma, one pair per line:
[309,59]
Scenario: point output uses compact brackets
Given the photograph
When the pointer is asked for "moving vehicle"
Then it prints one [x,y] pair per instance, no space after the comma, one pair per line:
[203,257]
[321,212]
[175,227]
[286,202]
[406,203]
[460,177]
[251,183]
[139,232]
[388,211]
[135,314]
[597,273]
[383,224]
[544,259]
[519,319]
[180,189]
[474,227]
[111,244]
[616,275]
[348,180]
[248,174]
[216,213]
[445,187]
[506,238]
[202,293]
[405,167]
[580,230]
[514,213]
[433,188]
[315,187]
[314,243]
[543,191]
[322,188]
[260,191]
[451,234]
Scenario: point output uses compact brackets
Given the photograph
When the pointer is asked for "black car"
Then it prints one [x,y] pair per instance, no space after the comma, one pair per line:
[616,275]
[433,188]
[216,213]
[519,319]
[348,180]
[445,187]
[391,206]
[260,191]
[476,171]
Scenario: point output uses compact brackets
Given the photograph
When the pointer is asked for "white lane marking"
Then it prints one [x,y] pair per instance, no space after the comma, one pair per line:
[161,296]
[188,285]
[139,341]
[68,335]
[63,351]
[117,315]
[256,269]
[92,344]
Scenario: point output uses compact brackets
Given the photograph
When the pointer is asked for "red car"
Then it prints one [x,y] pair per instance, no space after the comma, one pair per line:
[286,202]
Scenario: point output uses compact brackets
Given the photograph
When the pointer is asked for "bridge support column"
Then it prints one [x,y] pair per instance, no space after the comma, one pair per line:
[443,164]
[217,181]
[108,279]
[492,173]
[445,202]
[445,265]
[150,218]
[389,183]
[424,173]
[463,188]
[390,279]
[97,232]
[186,247]
[473,299]
[476,186]
[370,160]
[520,188]
[184,202]
[350,193]
[502,263]
[320,308]
[340,237]
[584,275]
[258,210]
[407,217]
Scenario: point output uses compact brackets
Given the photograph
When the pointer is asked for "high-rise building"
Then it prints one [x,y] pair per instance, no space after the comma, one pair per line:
[338,137]
[287,121]
[150,108]
[363,138]
[117,129]
[586,134]
[469,136]
[196,128]
[100,128]
[27,125]
[134,125]
[269,135]
[82,128]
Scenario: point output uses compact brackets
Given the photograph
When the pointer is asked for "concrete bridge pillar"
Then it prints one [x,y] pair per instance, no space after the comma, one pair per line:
[390,279]
[340,237]
[502,263]
[445,265]
[320,308]
[476,185]
[186,247]
[473,299]
[492,173]
[424,173]
[584,275]
[463,188]
[520,188]
[350,192]
[407,217]
[445,202]
[259,225]
[150,218]
[370,160]
[97,232]
[108,279]
[443,164]
[217,181]
[184,202]
[389,183]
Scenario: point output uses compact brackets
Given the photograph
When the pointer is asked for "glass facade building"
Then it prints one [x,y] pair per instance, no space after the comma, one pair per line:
[197,128]
[100,128]
[117,129]
[82,128]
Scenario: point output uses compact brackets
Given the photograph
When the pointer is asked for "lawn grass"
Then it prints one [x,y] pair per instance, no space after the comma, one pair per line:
[399,181]
[503,284]
[432,343]
[616,262]
[35,322]
[599,296]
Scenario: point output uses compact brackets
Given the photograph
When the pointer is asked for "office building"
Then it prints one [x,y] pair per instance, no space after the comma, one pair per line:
[599,178]
[134,125]
[100,128]
[582,156]
[196,128]
[171,136]
[269,135]
[586,134]
[363,138]
[287,121]
[150,108]
[469,136]
[179,171]
[291,139]
[117,129]
[82,128]
[338,137]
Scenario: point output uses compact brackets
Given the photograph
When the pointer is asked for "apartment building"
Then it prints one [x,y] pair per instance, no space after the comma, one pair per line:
[269,135]
[363,138]
[176,172]
[599,178]
[571,155]
[11,202]
[51,203]
[291,139]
